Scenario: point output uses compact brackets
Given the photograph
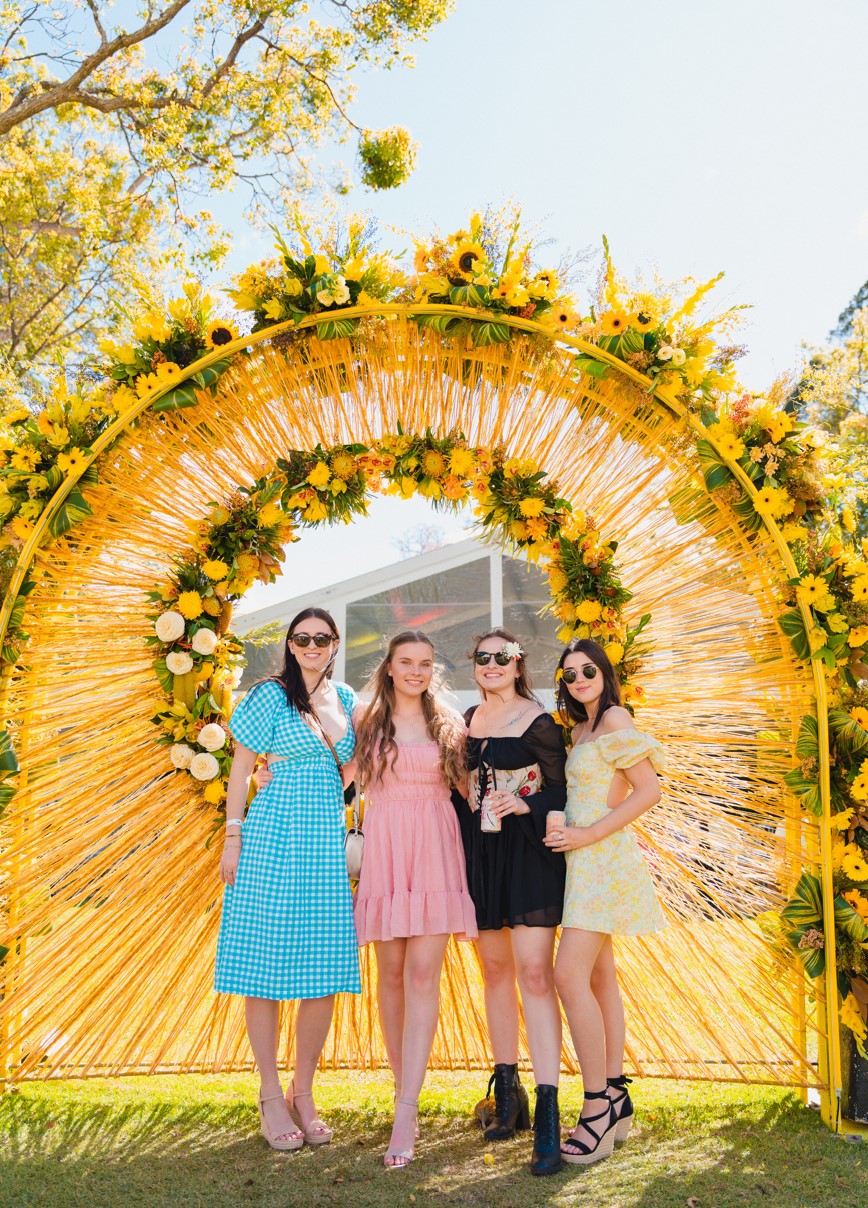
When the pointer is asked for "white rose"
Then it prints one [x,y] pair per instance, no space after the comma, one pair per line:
[679,356]
[664,352]
[237,676]
[169,626]
[204,766]
[204,641]
[212,737]
[179,662]
[181,755]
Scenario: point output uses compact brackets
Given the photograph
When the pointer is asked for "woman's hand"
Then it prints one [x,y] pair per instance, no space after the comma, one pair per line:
[229,861]
[507,803]
[569,838]
[263,776]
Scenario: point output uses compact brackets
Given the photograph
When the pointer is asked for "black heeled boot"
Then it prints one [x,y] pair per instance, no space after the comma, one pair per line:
[546,1132]
[511,1107]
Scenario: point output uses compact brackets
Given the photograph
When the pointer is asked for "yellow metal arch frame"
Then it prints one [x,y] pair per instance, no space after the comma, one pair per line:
[830,1056]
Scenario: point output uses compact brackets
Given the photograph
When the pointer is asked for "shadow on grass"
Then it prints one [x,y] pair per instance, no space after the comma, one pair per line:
[57,1151]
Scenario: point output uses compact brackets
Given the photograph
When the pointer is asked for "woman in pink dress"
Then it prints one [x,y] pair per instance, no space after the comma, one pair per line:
[412,892]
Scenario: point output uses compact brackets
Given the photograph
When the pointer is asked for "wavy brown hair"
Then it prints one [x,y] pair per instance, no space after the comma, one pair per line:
[523,682]
[375,733]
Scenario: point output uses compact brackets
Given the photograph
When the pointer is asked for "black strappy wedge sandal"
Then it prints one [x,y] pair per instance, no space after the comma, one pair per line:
[623,1105]
[582,1154]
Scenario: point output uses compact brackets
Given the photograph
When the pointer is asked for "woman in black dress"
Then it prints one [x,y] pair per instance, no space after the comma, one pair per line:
[516,759]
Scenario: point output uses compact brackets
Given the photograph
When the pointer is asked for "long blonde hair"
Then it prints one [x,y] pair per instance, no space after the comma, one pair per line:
[375,734]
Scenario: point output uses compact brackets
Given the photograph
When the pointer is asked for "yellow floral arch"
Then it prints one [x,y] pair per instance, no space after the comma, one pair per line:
[112,900]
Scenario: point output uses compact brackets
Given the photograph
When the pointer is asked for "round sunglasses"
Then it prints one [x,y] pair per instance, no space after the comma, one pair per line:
[320,640]
[570,675]
[483,657]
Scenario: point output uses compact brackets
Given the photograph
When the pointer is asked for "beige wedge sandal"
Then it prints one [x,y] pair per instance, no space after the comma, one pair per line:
[281,1141]
[318,1132]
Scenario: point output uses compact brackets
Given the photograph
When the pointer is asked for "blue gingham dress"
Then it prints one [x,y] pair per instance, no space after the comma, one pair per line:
[287,925]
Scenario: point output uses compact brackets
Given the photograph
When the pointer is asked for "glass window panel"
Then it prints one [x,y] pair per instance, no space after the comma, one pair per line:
[451,607]
[525,592]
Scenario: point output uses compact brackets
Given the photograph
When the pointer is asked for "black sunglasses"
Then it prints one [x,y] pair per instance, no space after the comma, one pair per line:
[570,675]
[483,657]
[320,640]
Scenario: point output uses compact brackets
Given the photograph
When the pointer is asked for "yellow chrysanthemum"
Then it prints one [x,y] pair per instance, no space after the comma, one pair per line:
[462,462]
[215,568]
[557,579]
[567,612]
[219,333]
[615,322]
[467,258]
[320,475]
[269,514]
[615,651]
[214,791]
[532,507]
[537,528]
[212,606]
[433,463]
[344,466]
[190,605]
[589,610]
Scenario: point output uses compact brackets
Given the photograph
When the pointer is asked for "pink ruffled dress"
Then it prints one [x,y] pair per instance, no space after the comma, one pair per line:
[413,879]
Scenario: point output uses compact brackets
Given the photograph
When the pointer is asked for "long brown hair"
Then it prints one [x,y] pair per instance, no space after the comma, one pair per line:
[375,733]
[568,706]
[523,682]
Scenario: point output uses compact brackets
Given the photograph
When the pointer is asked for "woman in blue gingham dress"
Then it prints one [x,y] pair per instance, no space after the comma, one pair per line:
[287,927]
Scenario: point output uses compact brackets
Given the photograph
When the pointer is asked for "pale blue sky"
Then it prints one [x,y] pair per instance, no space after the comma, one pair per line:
[698,136]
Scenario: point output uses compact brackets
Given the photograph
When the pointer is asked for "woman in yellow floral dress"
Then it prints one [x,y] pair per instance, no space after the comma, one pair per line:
[611,781]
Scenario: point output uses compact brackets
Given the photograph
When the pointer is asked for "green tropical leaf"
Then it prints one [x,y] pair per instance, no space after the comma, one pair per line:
[750,519]
[74,508]
[336,329]
[469,295]
[8,761]
[439,323]
[7,792]
[622,345]
[164,675]
[848,733]
[849,921]
[805,907]
[590,366]
[794,627]
[715,473]
[808,791]
[185,394]
[815,961]
[487,333]
[808,742]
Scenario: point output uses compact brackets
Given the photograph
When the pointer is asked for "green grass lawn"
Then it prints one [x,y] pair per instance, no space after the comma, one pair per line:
[194,1141]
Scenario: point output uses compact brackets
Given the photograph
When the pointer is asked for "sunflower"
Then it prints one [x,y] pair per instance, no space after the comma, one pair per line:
[614,322]
[641,321]
[464,258]
[220,333]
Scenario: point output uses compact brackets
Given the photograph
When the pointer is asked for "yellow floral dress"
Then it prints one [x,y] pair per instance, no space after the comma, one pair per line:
[609,887]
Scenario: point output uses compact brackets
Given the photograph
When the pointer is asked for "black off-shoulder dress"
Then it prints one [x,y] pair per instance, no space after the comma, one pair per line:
[515,880]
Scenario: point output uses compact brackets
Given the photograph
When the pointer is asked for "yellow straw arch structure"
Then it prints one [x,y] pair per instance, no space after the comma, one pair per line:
[585,433]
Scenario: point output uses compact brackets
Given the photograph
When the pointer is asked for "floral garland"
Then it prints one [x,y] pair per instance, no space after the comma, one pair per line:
[198,660]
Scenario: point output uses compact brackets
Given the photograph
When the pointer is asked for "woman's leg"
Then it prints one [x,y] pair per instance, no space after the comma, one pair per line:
[501,994]
[577,955]
[262,1016]
[534,949]
[422,966]
[311,1030]
[605,988]
[390,1000]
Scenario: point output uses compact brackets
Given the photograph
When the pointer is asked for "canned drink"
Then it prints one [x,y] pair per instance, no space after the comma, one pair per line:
[488,821]
[555,820]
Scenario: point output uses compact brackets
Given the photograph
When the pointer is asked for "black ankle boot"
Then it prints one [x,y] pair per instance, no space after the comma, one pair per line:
[546,1132]
[511,1108]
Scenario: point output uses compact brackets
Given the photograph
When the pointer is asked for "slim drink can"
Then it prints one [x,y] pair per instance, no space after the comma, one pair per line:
[489,821]
[555,820]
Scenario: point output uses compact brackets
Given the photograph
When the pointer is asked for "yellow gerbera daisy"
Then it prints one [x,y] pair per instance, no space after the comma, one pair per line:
[730,446]
[855,867]
[772,501]
[615,322]
[811,588]
[857,637]
[464,259]
[190,605]
[858,902]
[562,317]
[859,588]
[71,462]
[841,820]
[219,333]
